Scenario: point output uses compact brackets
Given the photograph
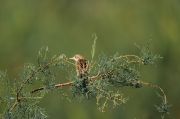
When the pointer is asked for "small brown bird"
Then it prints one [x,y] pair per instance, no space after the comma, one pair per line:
[81,65]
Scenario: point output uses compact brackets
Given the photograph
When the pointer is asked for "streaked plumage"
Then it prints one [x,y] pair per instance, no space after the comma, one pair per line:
[81,65]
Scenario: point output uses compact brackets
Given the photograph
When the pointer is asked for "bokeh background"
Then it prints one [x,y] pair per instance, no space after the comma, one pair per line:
[66,27]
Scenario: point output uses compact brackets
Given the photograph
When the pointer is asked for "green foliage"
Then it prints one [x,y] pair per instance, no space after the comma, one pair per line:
[163,107]
[146,55]
[104,74]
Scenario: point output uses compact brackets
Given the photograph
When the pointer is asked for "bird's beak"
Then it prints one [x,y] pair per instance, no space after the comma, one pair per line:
[72,58]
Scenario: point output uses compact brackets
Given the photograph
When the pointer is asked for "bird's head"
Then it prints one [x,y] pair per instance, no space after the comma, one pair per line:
[77,57]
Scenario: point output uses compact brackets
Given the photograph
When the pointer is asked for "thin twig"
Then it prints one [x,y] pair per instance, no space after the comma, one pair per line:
[3,101]
[126,56]
[109,72]
[109,95]
[14,105]
[153,85]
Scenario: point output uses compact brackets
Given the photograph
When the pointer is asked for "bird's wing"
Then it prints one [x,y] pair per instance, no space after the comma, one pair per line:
[82,67]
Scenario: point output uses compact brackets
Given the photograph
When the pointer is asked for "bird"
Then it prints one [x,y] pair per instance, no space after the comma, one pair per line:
[81,65]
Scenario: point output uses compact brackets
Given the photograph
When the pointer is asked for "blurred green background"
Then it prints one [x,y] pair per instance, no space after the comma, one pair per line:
[67,27]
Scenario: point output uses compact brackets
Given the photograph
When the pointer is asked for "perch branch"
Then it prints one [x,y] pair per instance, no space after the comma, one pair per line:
[57,85]
[39,89]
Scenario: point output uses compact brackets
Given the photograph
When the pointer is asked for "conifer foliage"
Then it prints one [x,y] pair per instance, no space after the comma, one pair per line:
[104,73]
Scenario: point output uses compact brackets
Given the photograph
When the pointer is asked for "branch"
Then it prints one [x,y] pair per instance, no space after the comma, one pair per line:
[57,85]
[33,74]
[3,101]
[112,70]
[14,105]
[153,85]
[39,89]
[107,73]
[126,56]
